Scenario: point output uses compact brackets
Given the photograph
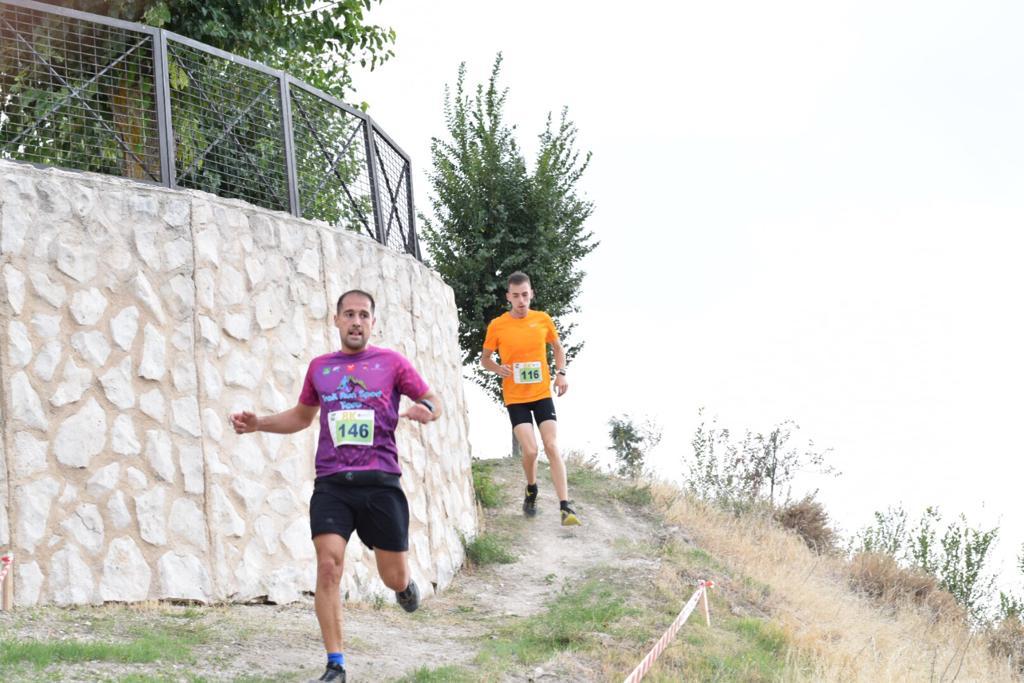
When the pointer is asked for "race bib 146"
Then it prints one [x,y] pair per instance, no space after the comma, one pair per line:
[351,427]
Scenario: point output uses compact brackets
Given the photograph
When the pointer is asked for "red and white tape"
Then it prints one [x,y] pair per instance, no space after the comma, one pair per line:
[643,667]
[6,561]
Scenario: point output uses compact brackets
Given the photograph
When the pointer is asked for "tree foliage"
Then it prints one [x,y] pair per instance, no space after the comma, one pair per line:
[631,443]
[754,468]
[313,40]
[493,215]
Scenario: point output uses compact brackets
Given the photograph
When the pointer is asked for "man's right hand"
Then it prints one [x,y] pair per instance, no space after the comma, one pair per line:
[244,422]
[504,371]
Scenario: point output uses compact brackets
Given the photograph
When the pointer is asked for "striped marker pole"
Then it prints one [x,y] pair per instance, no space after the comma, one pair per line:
[6,584]
[643,667]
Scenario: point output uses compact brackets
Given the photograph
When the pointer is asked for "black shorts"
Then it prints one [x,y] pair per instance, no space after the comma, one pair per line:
[371,503]
[525,413]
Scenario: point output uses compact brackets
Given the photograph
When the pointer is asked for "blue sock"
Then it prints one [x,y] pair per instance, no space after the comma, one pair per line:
[336,658]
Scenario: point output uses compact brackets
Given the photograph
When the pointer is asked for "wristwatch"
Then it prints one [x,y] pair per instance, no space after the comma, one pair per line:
[428,404]
[560,372]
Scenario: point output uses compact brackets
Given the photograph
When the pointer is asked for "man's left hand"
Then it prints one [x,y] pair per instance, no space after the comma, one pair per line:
[419,412]
[561,385]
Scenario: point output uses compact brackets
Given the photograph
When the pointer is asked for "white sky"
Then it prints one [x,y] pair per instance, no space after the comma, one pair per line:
[807,210]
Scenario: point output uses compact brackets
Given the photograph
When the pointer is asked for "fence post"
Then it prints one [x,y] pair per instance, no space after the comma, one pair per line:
[413,246]
[289,147]
[164,124]
[7,581]
[371,166]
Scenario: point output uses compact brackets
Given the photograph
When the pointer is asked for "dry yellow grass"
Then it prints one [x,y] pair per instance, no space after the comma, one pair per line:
[836,634]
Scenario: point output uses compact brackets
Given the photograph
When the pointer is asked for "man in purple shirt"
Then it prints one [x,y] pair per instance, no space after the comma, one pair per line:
[356,391]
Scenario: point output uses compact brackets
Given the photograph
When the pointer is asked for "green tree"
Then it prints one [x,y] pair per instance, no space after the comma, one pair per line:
[888,535]
[493,216]
[631,443]
[313,40]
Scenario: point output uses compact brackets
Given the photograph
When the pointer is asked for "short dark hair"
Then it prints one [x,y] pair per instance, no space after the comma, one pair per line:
[518,278]
[373,304]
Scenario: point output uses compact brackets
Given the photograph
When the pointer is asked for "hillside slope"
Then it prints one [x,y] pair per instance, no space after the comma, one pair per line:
[567,605]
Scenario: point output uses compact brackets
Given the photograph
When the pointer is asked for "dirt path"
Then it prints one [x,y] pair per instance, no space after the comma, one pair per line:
[266,642]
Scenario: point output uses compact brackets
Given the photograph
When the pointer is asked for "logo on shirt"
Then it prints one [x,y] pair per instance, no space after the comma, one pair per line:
[353,393]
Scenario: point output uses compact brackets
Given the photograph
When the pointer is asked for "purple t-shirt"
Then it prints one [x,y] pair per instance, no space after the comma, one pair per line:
[348,385]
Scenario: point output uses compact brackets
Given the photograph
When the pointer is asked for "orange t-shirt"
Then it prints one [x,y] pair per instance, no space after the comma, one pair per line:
[521,343]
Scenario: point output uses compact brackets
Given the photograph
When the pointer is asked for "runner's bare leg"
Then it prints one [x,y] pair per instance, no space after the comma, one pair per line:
[330,565]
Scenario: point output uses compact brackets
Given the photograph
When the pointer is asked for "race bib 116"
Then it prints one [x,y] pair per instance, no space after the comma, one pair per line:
[527,373]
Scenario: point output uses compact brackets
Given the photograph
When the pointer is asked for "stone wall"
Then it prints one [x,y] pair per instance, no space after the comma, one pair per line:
[135,320]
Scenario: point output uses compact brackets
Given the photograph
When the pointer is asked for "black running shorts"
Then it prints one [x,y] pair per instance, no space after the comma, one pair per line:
[525,413]
[371,503]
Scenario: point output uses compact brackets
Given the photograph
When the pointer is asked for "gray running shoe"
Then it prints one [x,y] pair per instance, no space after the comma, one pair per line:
[409,599]
[334,673]
[530,504]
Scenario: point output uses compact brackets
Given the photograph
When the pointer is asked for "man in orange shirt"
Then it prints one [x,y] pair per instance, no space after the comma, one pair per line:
[520,337]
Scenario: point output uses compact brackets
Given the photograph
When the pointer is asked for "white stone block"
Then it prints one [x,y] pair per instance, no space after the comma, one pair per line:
[184,375]
[122,438]
[126,576]
[146,234]
[270,308]
[183,295]
[296,538]
[254,269]
[189,522]
[183,577]
[51,292]
[154,354]
[85,526]
[190,458]
[309,264]
[28,581]
[92,347]
[252,494]
[152,403]
[241,370]
[149,510]
[47,360]
[124,326]
[136,479]
[238,325]
[25,404]
[213,424]
[33,502]
[71,581]
[267,533]
[283,502]
[117,384]
[211,381]
[148,296]
[117,510]
[29,455]
[14,283]
[70,494]
[19,347]
[206,286]
[104,481]
[209,331]
[46,326]
[177,253]
[246,456]
[230,286]
[185,416]
[87,306]
[76,381]
[226,520]
[183,337]
[207,247]
[158,452]
[81,436]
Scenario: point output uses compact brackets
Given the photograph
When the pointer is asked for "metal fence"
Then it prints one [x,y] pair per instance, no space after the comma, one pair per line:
[91,93]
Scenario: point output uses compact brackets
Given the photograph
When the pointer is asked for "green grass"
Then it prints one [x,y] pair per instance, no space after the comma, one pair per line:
[444,674]
[638,495]
[158,645]
[488,549]
[749,650]
[570,623]
[488,493]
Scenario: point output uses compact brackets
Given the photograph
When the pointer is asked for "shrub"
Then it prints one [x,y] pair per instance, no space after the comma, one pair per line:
[488,494]
[880,577]
[487,549]
[807,517]
[1006,641]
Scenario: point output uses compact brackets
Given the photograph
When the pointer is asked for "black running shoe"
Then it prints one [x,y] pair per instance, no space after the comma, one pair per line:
[530,504]
[409,599]
[333,672]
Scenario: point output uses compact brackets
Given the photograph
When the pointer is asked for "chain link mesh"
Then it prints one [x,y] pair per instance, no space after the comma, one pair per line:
[77,94]
[330,161]
[393,187]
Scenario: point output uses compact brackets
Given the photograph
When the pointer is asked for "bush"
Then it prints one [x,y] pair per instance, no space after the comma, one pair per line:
[807,517]
[487,549]
[1006,641]
[488,494]
[880,577]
